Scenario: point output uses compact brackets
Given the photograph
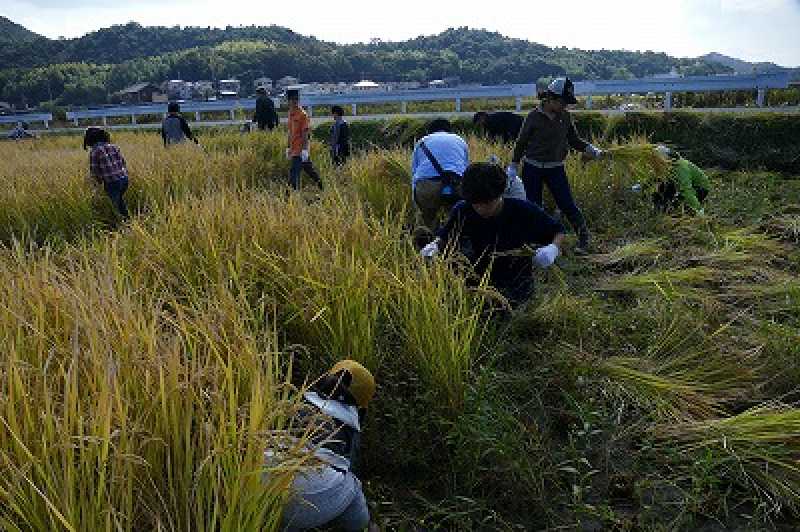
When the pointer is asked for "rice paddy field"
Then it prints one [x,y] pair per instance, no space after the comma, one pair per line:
[146,367]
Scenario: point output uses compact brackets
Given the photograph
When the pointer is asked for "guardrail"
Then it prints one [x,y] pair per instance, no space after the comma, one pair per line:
[27,117]
[667,86]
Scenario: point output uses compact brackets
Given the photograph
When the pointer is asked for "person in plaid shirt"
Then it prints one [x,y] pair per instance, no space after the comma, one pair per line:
[107,167]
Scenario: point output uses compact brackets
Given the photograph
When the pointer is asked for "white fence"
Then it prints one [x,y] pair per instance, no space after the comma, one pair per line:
[666,86]
[27,117]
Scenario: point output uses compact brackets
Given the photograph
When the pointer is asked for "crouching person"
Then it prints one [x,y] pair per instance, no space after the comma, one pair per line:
[490,229]
[329,493]
[685,184]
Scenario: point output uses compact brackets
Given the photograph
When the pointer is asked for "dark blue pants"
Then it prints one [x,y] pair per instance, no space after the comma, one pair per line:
[115,190]
[307,167]
[556,180]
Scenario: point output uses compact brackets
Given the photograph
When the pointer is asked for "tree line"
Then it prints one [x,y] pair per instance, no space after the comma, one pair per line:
[91,68]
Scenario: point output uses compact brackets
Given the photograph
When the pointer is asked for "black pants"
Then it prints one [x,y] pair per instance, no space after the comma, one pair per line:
[115,190]
[535,178]
[307,167]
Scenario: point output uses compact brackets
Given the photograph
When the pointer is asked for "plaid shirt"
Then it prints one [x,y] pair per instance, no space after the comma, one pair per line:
[106,163]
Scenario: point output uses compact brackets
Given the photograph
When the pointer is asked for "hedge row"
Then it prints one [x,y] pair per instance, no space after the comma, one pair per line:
[732,141]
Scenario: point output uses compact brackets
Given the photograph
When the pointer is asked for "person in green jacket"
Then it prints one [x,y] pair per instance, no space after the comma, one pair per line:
[686,183]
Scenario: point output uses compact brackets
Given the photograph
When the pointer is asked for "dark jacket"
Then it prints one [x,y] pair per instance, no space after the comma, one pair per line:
[265,112]
[547,140]
[503,125]
[175,129]
[340,140]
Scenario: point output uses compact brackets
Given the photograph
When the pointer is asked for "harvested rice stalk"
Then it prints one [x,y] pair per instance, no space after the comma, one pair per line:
[759,448]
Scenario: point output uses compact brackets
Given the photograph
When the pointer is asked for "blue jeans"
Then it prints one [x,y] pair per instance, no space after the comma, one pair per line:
[307,167]
[556,180]
[115,190]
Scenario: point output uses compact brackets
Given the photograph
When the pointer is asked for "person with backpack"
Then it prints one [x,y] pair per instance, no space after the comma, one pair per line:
[437,164]
[330,418]
[265,116]
[491,229]
[340,137]
[546,137]
[107,167]
[174,128]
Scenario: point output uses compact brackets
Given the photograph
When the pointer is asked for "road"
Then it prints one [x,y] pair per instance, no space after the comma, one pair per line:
[317,119]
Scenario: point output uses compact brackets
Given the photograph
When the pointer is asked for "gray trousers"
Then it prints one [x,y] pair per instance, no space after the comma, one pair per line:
[428,199]
[326,497]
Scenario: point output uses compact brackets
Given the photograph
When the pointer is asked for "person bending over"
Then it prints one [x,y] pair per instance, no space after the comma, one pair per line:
[107,167]
[329,493]
[437,164]
[500,125]
[489,229]
[685,184]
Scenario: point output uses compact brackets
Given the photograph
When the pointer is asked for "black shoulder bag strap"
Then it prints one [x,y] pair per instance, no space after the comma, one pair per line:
[434,162]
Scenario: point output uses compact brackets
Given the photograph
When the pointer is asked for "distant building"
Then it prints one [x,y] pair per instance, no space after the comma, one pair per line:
[286,81]
[229,88]
[139,93]
[177,89]
[203,90]
[366,85]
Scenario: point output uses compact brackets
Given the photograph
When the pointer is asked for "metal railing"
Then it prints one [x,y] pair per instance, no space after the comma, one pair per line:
[666,86]
[27,117]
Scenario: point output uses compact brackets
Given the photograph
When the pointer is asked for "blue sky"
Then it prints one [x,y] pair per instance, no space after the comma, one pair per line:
[755,30]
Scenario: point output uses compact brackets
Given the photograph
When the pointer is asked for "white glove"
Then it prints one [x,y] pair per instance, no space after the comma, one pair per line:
[304,156]
[511,171]
[594,152]
[546,256]
[431,250]
[288,153]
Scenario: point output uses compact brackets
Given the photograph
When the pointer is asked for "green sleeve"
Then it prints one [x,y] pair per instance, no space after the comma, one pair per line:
[683,181]
[699,178]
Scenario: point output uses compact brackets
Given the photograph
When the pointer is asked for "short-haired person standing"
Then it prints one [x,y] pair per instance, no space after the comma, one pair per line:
[107,167]
[299,142]
[439,157]
[174,128]
[543,143]
[340,136]
[265,116]
[494,225]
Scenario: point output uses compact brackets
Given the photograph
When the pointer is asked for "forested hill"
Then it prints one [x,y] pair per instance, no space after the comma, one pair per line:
[90,68]
[11,32]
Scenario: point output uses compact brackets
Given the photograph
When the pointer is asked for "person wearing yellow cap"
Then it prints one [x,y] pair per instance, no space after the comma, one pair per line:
[328,493]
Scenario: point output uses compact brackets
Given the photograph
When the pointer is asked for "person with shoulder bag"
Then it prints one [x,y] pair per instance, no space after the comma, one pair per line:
[437,164]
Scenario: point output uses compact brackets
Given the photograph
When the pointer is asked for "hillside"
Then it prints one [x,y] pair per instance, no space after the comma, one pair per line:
[90,68]
[13,32]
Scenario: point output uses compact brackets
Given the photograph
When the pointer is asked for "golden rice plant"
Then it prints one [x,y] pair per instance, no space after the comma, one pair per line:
[757,448]
[124,408]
